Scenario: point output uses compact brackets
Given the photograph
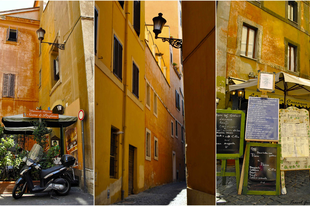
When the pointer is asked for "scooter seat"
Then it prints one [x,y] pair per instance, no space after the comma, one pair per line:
[50,170]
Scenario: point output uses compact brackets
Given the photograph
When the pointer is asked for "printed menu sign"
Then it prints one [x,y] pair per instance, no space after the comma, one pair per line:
[294,138]
[262,119]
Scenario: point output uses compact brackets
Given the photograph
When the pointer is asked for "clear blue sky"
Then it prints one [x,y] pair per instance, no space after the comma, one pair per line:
[15,4]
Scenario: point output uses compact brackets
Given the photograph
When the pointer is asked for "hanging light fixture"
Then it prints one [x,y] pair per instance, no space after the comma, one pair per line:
[158,24]
[41,32]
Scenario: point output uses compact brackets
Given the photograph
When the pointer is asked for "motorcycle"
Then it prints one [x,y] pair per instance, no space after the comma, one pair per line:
[56,178]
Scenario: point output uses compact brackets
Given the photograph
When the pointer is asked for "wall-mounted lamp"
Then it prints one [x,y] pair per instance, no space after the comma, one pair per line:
[40,32]
[158,24]
[233,92]
[217,100]
[240,93]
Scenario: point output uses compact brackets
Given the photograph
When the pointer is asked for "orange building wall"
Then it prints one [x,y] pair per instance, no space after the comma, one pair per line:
[159,171]
[199,90]
[21,59]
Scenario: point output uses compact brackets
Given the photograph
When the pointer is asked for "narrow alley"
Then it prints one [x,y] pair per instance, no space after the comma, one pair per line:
[168,194]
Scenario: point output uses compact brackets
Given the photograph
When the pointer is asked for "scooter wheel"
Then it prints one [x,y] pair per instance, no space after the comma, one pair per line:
[19,190]
[66,190]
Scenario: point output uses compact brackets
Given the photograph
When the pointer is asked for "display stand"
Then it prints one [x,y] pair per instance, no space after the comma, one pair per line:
[294,139]
[230,140]
[262,126]
[262,165]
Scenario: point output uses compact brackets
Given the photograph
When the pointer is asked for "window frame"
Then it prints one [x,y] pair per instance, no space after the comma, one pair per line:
[155,104]
[292,6]
[10,85]
[249,28]
[115,165]
[136,22]
[156,148]
[288,43]
[96,15]
[176,128]
[172,128]
[177,100]
[135,84]
[289,53]
[148,96]
[8,35]
[183,107]
[118,72]
[148,144]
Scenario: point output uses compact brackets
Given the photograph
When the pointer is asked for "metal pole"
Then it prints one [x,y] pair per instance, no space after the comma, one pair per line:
[84,174]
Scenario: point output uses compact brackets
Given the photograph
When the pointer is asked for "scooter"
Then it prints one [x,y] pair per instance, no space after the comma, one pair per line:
[53,179]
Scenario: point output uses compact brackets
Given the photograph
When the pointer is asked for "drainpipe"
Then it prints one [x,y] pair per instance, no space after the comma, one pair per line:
[124,97]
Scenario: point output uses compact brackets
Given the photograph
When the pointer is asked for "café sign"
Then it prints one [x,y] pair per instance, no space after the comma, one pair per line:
[44,114]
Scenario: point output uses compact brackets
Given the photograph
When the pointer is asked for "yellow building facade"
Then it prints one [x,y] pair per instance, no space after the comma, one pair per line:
[281,33]
[119,99]
[66,75]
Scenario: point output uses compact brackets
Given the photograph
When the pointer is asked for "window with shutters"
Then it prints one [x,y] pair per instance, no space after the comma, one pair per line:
[177,100]
[55,69]
[248,41]
[171,128]
[117,59]
[182,134]
[8,85]
[96,29]
[176,128]
[148,96]
[291,58]
[11,34]
[136,16]
[148,145]
[155,148]
[155,105]
[292,10]
[182,107]
[113,153]
[135,80]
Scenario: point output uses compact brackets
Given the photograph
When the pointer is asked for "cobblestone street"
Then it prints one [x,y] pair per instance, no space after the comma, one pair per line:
[75,197]
[169,194]
[297,187]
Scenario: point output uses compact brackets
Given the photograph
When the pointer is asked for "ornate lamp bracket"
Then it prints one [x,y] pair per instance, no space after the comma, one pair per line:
[176,43]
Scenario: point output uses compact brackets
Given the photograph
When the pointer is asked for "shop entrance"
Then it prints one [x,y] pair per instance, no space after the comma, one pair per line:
[131,170]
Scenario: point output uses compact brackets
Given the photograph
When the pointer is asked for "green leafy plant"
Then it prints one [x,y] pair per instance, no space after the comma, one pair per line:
[11,156]
[40,132]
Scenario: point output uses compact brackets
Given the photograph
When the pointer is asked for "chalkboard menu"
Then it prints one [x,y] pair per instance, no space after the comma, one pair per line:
[262,119]
[262,168]
[230,131]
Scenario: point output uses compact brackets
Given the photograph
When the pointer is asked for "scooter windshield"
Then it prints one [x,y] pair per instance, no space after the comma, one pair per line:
[36,153]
